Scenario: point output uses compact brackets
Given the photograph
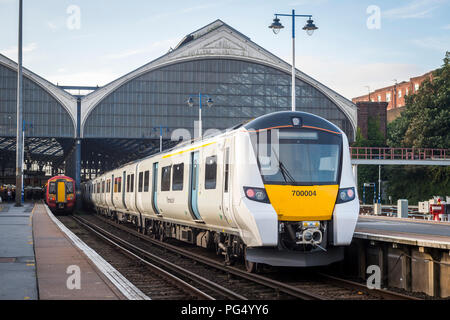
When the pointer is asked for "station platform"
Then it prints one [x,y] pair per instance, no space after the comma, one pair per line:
[40,259]
[17,260]
[422,233]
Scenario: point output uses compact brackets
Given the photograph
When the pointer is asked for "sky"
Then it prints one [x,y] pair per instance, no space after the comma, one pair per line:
[358,44]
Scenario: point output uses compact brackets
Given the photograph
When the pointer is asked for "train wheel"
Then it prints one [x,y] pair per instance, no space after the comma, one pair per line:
[251,267]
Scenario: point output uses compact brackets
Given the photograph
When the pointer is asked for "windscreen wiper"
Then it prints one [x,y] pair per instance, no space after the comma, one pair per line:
[284,171]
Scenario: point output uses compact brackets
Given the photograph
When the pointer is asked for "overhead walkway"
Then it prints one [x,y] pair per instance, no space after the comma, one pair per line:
[400,156]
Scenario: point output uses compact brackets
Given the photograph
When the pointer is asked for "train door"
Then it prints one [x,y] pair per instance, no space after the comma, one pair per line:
[155,188]
[112,187]
[61,191]
[193,185]
[124,181]
[226,199]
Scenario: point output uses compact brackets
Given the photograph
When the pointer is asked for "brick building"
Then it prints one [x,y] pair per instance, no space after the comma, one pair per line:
[395,95]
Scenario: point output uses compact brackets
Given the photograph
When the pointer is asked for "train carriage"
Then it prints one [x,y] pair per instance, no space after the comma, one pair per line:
[278,190]
[60,194]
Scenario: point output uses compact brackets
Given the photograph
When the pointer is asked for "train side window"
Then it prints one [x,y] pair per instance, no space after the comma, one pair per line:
[165,178]
[141,180]
[211,172]
[69,187]
[132,183]
[103,186]
[52,188]
[177,177]
[119,185]
[146,180]
[128,183]
[115,184]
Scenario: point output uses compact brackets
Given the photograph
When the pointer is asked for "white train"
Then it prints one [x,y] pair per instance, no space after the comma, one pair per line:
[278,190]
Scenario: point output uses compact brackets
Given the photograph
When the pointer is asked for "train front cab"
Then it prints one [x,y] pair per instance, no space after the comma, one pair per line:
[306,175]
[60,195]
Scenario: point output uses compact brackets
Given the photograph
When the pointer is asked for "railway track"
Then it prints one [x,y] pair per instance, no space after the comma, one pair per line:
[233,281]
[152,280]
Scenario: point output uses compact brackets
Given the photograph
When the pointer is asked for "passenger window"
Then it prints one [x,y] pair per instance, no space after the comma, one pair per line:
[141,175]
[128,183]
[119,180]
[103,186]
[177,177]
[52,188]
[132,183]
[211,172]
[165,178]
[146,180]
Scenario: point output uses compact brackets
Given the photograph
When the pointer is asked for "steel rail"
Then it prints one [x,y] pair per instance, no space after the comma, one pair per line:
[139,253]
[264,281]
[280,286]
[352,285]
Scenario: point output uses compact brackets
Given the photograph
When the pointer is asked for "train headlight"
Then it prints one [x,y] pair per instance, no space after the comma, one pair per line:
[297,122]
[346,195]
[256,194]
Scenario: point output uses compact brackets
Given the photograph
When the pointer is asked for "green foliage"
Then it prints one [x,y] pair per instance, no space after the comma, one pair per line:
[367,173]
[417,183]
[425,123]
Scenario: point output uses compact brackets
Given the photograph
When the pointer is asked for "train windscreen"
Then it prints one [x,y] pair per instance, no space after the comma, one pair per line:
[69,187]
[52,188]
[298,156]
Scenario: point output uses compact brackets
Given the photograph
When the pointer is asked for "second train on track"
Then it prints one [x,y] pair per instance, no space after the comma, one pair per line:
[278,190]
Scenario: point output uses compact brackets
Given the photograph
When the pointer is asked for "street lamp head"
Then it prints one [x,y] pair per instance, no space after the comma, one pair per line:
[276,26]
[190,102]
[310,27]
[209,102]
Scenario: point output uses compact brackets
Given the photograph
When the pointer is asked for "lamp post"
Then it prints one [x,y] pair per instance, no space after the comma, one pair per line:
[25,125]
[19,138]
[309,27]
[209,103]
[161,135]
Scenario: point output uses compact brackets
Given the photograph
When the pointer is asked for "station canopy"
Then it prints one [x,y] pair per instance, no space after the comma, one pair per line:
[122,121]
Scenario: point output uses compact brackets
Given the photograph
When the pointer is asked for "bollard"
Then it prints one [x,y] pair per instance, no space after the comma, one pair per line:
[377,209]
[402,208]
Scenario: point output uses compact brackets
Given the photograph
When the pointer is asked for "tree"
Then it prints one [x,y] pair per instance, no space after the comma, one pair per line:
[425,123]
[375,138]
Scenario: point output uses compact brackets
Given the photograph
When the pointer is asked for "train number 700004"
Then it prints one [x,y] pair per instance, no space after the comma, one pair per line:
[303,193]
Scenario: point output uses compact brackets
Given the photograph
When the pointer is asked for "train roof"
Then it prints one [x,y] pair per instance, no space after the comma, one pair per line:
[285,119]
[274,119]
[60,177]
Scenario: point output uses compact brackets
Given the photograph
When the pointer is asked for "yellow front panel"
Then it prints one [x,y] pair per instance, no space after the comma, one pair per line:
[302,203]
[61,191]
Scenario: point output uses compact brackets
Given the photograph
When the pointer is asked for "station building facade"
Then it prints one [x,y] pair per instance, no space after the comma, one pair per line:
[121,121]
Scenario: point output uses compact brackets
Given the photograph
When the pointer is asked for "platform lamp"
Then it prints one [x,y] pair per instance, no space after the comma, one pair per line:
[209,103]
[309,27]
[160,129]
